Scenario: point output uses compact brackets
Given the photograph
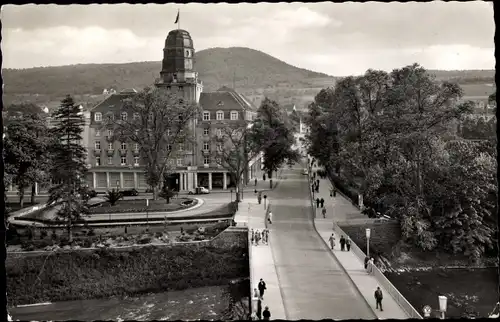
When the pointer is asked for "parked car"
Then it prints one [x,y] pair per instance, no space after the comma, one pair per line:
[198,191]
[130,192]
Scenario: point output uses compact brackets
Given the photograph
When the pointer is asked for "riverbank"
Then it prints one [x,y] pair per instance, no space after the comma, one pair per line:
[206,303]
[102,273]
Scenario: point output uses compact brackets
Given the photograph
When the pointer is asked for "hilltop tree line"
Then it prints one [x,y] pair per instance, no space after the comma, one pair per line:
[54,157]
[390,137]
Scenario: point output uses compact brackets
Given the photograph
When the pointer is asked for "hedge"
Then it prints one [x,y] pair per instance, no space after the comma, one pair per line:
[80,275]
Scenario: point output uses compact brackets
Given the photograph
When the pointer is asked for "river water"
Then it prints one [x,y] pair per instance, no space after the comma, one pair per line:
[207,303]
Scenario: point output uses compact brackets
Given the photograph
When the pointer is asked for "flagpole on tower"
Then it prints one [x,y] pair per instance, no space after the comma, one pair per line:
[178,20]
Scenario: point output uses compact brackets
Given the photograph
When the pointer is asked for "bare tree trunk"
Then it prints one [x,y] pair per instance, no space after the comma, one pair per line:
[155,192]
[33,193]
[21,196]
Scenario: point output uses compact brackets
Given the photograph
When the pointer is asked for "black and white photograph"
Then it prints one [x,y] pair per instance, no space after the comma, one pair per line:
[250,161]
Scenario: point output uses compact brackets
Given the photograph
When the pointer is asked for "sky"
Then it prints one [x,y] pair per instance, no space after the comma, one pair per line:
[338,39]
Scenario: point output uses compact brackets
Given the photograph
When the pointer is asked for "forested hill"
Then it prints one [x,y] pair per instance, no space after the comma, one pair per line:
[216,66]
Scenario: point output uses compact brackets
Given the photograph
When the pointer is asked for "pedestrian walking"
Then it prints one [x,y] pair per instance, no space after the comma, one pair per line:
[370,266]
[270,217]
[266,232]
[252,237]
[367,259]
[255,293]
[257,238]
[259,309]
[317,188]
[255,182]
[324,212]
[322,201]
[332,241]
[317,202]
[264,177]
[342,243]
[317,182]
[314,175]
[262,288]
[348,243]
[266,314]
[378,298]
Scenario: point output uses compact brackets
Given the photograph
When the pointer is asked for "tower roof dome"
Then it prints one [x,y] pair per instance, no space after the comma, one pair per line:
[178,54]
[179,38]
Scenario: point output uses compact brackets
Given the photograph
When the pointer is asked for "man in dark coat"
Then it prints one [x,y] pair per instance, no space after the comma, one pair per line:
[322,201]
[342,243]
[262,287]
[317,202]
[266,314]
[259,309]
[378,298]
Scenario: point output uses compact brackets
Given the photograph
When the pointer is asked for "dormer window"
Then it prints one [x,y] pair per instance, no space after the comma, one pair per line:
[110,116]
[124,116]
[136,116]
[206,116]
[234,115]
[98,116]
[220,115]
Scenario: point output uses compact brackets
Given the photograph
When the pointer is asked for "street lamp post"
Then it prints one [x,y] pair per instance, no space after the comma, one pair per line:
[147,215]
[368,232]
[443,302]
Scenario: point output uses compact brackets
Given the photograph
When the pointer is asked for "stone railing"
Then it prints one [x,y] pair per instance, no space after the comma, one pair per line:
[382,280]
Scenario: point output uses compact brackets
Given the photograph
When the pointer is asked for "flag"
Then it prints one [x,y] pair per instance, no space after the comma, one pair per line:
[177,18]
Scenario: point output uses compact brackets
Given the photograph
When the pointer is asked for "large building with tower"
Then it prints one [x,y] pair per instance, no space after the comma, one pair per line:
[114,164]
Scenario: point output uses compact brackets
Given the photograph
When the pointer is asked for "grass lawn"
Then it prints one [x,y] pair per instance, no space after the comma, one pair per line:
[14,205]
[139,205]
[467,290]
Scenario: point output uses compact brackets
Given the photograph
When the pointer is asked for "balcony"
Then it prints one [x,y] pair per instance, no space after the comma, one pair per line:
[123,152]
[97,152]
[110,152]
[136,152]
[205,151]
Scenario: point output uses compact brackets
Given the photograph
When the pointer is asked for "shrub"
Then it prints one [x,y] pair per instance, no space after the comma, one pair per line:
[43,233]
[113,196]
[144,240]
[191,229]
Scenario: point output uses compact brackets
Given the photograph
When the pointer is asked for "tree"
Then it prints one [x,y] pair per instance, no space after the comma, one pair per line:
[26,153]
[235,147]
[167,193]
[161,123]
[68,163]
[274,131]
[462,215]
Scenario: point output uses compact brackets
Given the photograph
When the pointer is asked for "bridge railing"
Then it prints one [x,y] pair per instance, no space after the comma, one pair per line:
[382,280]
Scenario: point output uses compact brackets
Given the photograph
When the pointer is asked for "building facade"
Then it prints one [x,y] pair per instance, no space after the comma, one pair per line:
[114,164]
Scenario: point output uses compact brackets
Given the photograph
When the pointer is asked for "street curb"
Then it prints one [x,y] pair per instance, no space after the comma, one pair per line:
[333,255]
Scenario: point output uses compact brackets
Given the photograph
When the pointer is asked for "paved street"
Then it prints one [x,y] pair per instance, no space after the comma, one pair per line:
[312,282]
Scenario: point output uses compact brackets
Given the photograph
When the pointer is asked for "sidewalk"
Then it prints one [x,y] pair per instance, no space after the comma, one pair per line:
[341,209]
[252,215]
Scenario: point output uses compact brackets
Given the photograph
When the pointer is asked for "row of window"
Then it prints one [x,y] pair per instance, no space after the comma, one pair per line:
[123,161]
[123,146]
[136,132]
[219,115]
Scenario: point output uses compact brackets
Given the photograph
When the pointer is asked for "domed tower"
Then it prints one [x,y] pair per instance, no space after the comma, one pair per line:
[177,71]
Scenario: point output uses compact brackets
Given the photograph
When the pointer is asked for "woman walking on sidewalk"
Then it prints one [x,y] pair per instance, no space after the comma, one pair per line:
[332,241]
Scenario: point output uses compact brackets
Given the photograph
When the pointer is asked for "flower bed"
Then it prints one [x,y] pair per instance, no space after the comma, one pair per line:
[125,206]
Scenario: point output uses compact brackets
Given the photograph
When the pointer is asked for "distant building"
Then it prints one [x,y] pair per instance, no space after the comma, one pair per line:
[113,163]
